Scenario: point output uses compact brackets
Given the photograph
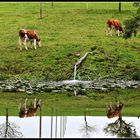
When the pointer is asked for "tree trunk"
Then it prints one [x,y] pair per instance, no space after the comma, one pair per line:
[6,130]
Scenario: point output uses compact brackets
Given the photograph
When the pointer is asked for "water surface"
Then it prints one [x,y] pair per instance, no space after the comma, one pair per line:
[72,126]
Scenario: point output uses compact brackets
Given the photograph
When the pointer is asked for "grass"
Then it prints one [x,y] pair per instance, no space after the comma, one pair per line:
[68,104]
[66,29]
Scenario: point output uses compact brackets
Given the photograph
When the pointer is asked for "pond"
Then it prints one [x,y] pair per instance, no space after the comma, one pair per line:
[69,127]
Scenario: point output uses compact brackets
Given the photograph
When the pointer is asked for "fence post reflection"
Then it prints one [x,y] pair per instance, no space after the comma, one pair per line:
[40,122]
[51,121]
[56,126]
[60,126]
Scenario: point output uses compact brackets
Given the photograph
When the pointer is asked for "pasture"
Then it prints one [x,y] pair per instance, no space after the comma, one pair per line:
[65,30]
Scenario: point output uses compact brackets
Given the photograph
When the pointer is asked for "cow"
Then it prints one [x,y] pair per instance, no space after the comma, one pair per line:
[29,110]
[114,24]
[28,35]
[114,111]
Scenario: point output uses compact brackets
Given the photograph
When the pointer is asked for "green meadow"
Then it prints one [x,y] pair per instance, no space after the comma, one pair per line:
[67,29]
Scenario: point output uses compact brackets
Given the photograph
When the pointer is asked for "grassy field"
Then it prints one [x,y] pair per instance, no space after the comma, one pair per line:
[67,104]
[66,29]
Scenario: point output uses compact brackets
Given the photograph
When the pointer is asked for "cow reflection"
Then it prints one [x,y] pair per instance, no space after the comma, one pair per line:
[114,111]
[121,129]
[29,110]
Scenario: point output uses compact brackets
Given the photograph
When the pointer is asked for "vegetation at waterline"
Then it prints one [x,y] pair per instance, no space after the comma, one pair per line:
[67,29]
[93,102]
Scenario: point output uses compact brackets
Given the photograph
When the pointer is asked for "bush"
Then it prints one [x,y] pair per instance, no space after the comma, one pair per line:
[136,75]
[132,25]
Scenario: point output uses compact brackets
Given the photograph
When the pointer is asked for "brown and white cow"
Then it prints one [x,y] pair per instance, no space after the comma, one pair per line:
[114,24]
[28,35]
[29,110]
[114,111]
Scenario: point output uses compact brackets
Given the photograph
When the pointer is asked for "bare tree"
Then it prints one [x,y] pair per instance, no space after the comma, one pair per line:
[9,129]
[86,128]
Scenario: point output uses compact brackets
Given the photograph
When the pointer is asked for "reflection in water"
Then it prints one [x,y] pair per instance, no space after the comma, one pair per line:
[121,129]
[9,129]
[69,126]
[86,128]
[114,111]
[26,110]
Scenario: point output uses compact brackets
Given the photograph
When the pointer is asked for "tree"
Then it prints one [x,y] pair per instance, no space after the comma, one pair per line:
[86,128]
[132,25]
[121,129]
[9,129]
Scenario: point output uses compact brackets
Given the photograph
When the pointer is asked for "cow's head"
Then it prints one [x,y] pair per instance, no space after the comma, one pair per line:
[121,30]
[38,41]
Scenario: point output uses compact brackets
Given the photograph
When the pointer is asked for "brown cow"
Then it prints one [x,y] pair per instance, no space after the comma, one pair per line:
[114,111]
[31,35]
[114,24]
[28,110]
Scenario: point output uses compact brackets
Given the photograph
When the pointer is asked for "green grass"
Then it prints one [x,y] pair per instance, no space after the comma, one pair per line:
[68,104]
[66,28]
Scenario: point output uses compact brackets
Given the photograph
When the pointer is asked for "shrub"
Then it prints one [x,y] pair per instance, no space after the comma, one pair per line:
[136,75]
[132,25]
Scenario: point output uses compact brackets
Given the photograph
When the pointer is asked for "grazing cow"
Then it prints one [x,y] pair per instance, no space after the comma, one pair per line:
[31,35]
[114,24]
[28,110]
[114,111]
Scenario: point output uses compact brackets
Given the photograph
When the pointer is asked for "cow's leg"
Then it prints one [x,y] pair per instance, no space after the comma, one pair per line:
[35,103]
[35,43]
[31,42]
[108,28]
[20,43]
[111,31]
[25,105]
[25,43]
[107,31]
[118,32]
[38,43]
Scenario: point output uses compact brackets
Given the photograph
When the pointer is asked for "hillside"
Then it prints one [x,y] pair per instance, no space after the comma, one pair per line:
[65,30]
